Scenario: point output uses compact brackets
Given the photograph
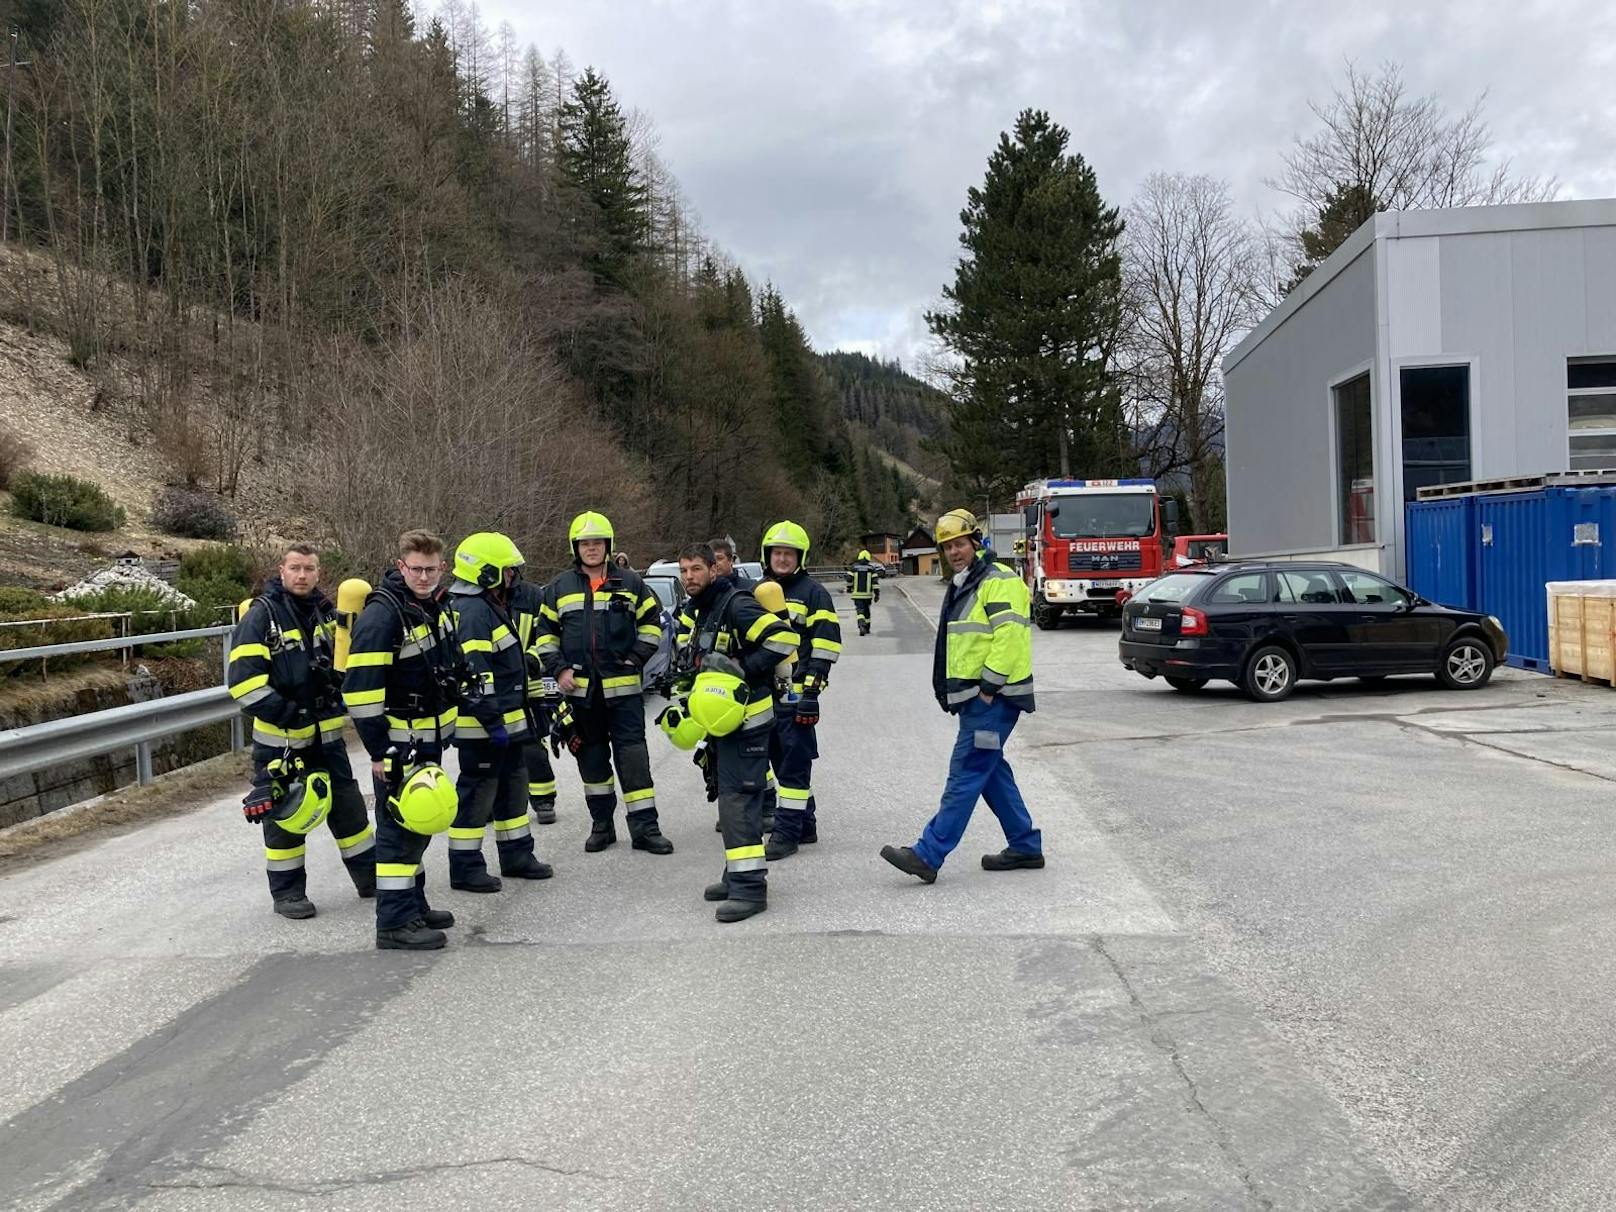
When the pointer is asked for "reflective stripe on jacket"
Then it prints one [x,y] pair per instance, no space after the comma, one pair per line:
[490,647]
[814,616]
[984,639]
[606,635]
[271,668]
[392,688]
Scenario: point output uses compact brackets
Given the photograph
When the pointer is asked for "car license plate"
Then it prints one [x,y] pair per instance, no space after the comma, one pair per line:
[1147,624]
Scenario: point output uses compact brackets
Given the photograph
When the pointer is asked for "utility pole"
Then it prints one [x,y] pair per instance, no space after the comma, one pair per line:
[11,106]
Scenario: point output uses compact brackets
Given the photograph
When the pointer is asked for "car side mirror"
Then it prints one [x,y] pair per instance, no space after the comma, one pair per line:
[1170,514]
[1052,510]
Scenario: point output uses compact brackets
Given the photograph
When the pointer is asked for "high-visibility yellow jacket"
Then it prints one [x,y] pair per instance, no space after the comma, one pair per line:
[984,639]
[274,653]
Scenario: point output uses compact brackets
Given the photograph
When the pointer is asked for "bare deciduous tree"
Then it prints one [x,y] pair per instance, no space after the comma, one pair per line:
[1382,148]
[1191,267]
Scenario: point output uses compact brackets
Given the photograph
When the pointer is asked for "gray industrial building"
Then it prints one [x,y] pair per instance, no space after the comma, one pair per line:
[1431,347]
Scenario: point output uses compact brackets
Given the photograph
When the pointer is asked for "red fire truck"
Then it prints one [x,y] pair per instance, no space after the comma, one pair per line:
[1090,540]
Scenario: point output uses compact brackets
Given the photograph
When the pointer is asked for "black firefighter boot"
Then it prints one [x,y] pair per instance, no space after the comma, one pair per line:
[647,835]
[602,833]
[412,936]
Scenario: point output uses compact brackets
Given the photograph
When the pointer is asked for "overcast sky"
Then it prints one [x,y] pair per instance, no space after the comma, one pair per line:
[827,144]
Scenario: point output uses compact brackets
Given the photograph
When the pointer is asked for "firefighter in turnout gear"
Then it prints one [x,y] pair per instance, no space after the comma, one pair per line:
[492,728]
[796,713]
[727,624]
[282,676]
[598,626]
[402,692]
[542,701]
[863,586]
[982,672]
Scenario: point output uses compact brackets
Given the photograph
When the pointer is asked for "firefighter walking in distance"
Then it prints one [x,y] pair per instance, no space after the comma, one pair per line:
[796,711]
[282,676]
[735,646]
[864,588]
[981,672]
[597,627]
[492,727]
[526,600]
[401,689]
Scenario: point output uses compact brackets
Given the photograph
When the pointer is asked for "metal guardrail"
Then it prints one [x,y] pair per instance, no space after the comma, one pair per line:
[134,725]
[46,651]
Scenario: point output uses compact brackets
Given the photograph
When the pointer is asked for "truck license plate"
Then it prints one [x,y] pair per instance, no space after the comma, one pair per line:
[1147,624]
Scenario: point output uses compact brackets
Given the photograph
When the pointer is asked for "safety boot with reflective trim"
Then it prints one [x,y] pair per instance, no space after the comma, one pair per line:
[476,881]
[295,907]
[412,936]
[601,835]
[739,911]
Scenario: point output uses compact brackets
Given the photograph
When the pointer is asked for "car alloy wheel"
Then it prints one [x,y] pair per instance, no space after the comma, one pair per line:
[1270,675]
[1466,663]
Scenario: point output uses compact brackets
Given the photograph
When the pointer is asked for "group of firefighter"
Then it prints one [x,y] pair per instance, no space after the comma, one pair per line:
[464,651]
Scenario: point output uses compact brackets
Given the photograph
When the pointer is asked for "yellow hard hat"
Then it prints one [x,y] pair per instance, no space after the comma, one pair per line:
[863,554]
[958,524]
[719,696]
[304,799]
[785,534]
[482,558]
[680,727]
[591,526]
[426,803]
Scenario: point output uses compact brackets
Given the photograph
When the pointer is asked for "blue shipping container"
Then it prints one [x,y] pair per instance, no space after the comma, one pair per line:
[1440,539]
[1525,540]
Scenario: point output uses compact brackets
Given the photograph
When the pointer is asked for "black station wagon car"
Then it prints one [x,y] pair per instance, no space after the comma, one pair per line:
[1264,626]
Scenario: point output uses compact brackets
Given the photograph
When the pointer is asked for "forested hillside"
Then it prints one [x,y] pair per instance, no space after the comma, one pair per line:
[448,279]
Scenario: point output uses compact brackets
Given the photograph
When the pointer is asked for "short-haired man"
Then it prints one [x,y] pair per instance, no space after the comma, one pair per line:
[724,567]
[982,672]
[400,692]
[282,676]
[727,620]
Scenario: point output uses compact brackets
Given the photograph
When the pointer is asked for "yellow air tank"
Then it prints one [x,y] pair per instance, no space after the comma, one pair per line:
[351,595]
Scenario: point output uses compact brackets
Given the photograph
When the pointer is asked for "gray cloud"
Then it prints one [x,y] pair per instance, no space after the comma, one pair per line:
[828,144]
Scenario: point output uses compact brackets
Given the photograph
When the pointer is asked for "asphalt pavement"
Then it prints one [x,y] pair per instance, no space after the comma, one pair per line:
[1349,951]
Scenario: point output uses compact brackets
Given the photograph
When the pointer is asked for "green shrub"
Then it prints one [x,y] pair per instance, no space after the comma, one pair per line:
[64,501]
[149,613]
[217,577]
[217,561]
[17,602]
[49,632]
[193,515]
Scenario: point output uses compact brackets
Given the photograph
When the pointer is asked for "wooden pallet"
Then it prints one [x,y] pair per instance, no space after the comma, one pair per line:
[1591,679]
[1464,488]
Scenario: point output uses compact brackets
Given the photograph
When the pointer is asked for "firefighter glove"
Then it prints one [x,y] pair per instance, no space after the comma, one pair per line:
[258,805]
[808,709]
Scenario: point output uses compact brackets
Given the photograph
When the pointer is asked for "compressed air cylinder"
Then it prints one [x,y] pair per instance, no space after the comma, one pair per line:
[351,595]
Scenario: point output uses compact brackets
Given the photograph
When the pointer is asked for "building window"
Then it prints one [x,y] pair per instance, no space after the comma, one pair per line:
[1591,413]
[1355,461]
[1436,426]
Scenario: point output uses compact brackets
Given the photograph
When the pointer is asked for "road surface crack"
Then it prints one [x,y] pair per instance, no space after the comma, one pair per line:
[1169,1047]
[235,1179]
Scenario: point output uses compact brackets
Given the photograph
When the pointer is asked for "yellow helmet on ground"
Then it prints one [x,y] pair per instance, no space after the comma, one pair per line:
[591,526]
[426,802]
[958,524]
[719,697]
[482,558]
[786,534]
[679,726]
[302,796]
